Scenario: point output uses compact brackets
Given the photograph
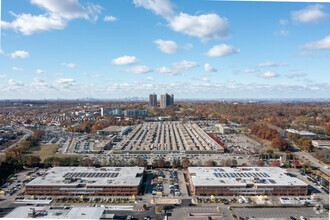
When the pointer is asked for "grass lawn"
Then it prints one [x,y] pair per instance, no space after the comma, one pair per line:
[269,148]
[47,150]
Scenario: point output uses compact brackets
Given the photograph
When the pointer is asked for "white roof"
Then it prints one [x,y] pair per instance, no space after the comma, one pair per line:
[57,213]
[109,176]
[241,176]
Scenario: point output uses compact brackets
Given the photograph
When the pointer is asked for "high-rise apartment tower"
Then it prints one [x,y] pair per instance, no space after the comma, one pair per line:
[153,100]
[166,100]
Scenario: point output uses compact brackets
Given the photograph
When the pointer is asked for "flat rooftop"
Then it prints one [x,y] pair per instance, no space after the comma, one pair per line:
[49,212]
[241,176]
[103,176]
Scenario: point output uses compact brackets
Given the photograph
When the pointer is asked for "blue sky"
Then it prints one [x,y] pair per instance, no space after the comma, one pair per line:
[194,49]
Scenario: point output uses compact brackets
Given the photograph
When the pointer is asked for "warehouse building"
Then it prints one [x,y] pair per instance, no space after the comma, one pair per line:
[226,181]
[89,181]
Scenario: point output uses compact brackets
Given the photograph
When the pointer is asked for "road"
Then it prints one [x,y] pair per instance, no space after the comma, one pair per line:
[314,162]
[27,132]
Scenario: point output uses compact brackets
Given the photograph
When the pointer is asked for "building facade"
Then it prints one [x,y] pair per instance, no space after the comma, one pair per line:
[88,181]
[136,112]
[111,111]
[153,100]
[226,181]
[166,100]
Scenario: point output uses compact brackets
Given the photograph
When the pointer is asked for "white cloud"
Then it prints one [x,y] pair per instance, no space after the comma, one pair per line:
[167,46]
[64,83]
[39,71]
[184,65]
[110,18]
[310,54]
[2,76]
[64,80]
[222,50]
[40,83]
[323,44]
[29,24]
[70,65]
[249,70]
[272,64]
[57,14]
[17,69]
[283,21]
[170,47]
[124,60]
[68,9]
[310,14]
[20,54]
[159,7]
[268,74]
[1,51]
[296,75]
[138,70]
[209,68]
[204,79]
[205,27]
[149,78]
[96,76]
[284,33]
[13,82]
[167,71]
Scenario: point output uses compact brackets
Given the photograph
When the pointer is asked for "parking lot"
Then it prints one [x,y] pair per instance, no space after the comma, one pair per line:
[240,144]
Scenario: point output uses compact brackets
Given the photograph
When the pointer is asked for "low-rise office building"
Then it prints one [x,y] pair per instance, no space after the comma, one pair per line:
[301,133]
[52,212]
[136,112]
[89,181]
[111,111]
[322,144]
[226,181]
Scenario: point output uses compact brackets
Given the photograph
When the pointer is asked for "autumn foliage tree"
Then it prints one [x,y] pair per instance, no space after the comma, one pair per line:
[210,163]
[185,163]
[260,163]
[33,161]
[161,162]
[280,144]
[275,163]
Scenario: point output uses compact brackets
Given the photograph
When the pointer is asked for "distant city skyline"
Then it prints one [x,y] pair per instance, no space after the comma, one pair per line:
[194,49]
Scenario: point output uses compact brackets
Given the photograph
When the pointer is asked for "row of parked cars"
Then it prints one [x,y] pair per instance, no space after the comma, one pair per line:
[157,183]
[174,185]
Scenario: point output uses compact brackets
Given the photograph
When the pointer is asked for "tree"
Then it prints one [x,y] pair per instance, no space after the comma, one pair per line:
[167,164]
[280,144]
[33,161]
[210,163]
[161,162]
[307,145]
[176,163]
[154,163]
[327,127]
[228,163]
[132,163]
[260,163]
[141,162]
[275,163]
[234,163]
[185,163]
